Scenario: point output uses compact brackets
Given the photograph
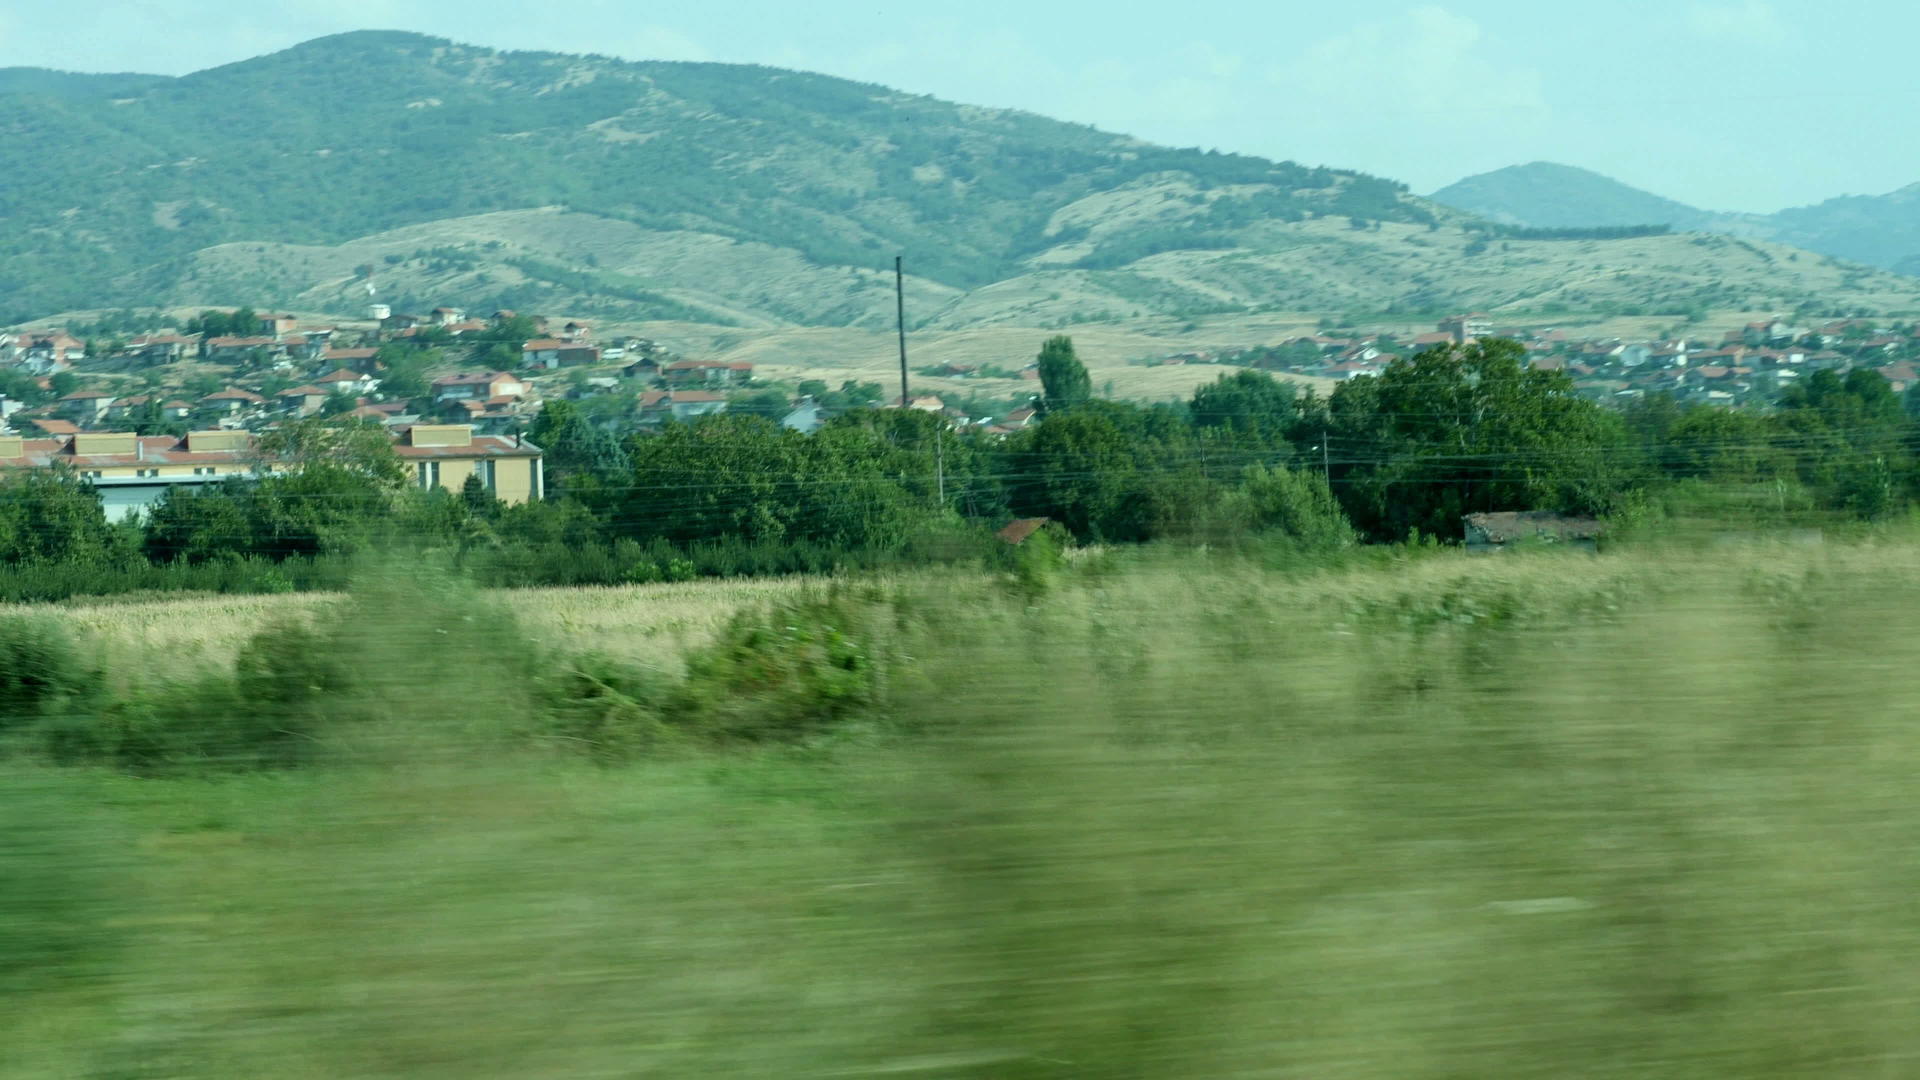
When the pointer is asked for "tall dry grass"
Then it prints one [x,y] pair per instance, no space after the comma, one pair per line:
[1644,814]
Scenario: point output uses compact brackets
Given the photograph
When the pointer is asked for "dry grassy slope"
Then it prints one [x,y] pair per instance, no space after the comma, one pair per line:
[1112,352]
[1325,265]
[751,284]
[1317,265]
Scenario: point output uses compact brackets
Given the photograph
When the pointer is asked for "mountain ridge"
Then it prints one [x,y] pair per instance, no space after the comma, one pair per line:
[436,172]
[1877,230]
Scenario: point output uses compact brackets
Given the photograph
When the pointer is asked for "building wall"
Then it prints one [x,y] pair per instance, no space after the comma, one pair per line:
[514,478]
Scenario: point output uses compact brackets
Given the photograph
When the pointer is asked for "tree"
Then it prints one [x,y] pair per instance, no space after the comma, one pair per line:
[513,332]
[52,515]
[403,370]
[1294,503]
[63,383]
[1466,428]
[581,458]
[1249,403]
[1105,471]
[1063,378]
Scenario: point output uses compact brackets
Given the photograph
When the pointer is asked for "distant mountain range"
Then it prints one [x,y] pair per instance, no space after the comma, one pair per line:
[1879,230]
[424,172]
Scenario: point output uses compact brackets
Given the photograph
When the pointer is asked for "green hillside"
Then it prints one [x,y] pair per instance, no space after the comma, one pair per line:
[347,136]
[1545,195]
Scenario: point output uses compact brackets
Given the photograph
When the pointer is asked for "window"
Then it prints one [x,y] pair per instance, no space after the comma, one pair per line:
[91,474]
[429,475]
[146,472]
[487,474]
[203,470]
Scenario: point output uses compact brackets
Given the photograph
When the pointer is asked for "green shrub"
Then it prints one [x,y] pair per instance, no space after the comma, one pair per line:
[610,709]
[41,672]
[787,673]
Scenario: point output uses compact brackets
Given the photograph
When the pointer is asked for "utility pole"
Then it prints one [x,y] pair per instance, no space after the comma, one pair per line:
[900,320]
[1326,459]
[940,459]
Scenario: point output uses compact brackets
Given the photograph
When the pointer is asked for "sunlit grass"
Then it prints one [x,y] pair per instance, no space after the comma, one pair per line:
[1539,816]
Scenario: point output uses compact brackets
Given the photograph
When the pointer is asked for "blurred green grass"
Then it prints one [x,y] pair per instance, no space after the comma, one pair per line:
[1638,815]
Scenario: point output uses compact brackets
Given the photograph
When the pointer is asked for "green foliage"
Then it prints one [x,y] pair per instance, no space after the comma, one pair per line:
[1470,428]
[1063,378]
[1292,504]
[51,515]
[41,672]
[800,161]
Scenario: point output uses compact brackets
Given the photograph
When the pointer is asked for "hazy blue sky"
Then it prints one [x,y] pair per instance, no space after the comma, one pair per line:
[1727,104]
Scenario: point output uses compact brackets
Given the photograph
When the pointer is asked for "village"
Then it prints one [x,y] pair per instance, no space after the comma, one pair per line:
[1748,366]
[493,375]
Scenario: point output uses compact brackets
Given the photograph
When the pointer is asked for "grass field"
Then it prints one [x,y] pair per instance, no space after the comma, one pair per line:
[1644,814]
[147,639]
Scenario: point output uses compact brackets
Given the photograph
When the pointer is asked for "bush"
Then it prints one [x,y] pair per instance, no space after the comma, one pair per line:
[784,674]
[41,673]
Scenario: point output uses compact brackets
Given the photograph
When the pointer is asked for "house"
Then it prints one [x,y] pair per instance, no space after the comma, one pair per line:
[314,343]
[1353,369]
[347,381]
[162,348]
[1461,329]
[232,400]
[274,326]
[133,472]
[480,388]
[920,402]
[706,372]
[232,350]
[553,353]
[121,408]
[176,409]
[680,404]
[47,352]
[303,400]
[446,316]
[54,427]
[576,332]
[1499,531]
[1017,531]
[86,406]
[400,322]
[351,359]
[444,455]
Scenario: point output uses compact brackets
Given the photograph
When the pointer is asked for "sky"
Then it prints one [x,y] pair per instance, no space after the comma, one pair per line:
[1749,105]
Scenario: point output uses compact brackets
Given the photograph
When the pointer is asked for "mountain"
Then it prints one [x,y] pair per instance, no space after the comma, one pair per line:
[1878,230]
[429,172]
[364,132]
[1545,195]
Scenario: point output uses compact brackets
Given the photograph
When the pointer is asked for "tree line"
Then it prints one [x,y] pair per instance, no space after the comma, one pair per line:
[1248,458]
